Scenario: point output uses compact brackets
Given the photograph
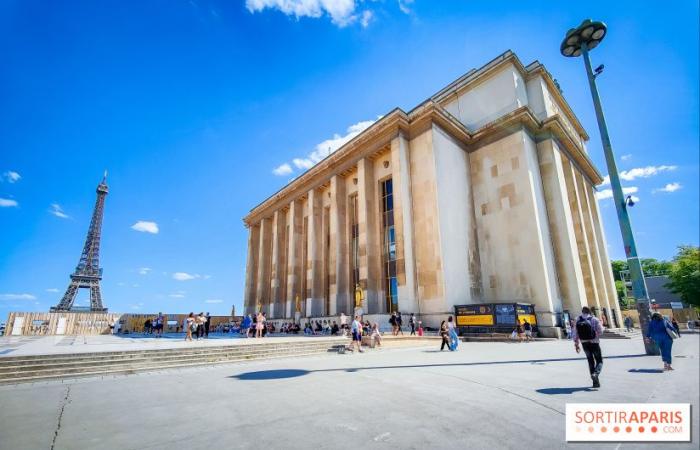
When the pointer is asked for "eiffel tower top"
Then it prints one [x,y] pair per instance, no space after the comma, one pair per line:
[102,187]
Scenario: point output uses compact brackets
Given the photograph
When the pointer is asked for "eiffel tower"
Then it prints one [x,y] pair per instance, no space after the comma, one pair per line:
[88,272]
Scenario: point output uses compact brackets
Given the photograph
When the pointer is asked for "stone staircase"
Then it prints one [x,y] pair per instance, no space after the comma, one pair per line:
[620,333]
[23,369]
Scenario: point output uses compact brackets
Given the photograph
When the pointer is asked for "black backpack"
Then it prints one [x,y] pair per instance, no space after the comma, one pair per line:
[584,329]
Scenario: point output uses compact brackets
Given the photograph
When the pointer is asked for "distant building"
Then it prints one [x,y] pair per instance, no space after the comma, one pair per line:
[661,294]
[483,193]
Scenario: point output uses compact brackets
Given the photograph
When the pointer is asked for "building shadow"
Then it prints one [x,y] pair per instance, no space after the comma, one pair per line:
[563,390]
[291,373]
[646,371]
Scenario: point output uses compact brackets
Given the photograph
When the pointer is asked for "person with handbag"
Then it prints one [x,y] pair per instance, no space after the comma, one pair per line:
[663,334]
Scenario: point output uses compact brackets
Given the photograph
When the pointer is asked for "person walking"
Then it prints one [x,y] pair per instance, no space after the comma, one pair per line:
[188,326]
[245,325]
[375,335]
[356,330]
[392,321]
[259,324]
[452,334]
[587,332]
[663,334]
[399,323]
[528,330]
[444,334]
[159,325]
[201,320]
[412,324]
[628,323]
[207,324]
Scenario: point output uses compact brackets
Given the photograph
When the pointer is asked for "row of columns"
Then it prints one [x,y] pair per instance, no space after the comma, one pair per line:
[289,259]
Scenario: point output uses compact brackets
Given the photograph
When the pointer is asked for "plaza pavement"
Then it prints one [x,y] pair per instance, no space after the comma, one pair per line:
[485,396]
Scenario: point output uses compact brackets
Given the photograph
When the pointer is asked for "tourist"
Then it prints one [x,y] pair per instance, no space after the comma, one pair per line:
[246,324]
[452,331]
[376,336]
[392,321]
[334,329]
[189,325]
[628,323]
[307,329]
[318,330]
[412,324]
[147,326]
[528,330]
[420,328]
[159,325]
[519,332]
[587,331]
[344,323]
[663,334]
[356,330]
[675,326]
[117,326]
[201,320]
[444,334]
[259,325]
[567,327]
[399,323]
[207,325]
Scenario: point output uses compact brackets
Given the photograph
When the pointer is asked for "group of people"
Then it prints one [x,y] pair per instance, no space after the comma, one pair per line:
[155,325]
[256,323]
[523,331]
[197,326]
[448,333]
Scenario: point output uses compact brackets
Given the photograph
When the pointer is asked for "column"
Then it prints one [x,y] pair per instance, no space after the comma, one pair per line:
[579,231]
[277,281]
[370,271]
[598,263]
[294,257]
[603,252]
[262,296]
[403,224]
[561,226]
[585,224]
[251,269]
[339,270]
[314,281]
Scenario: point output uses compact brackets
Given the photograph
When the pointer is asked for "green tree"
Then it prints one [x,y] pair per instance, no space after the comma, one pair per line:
[617,266]
[685,274]
[622,294]
[653,267]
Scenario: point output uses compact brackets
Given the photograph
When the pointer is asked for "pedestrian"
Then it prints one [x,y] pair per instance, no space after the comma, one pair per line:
[259,324]
[189,325]
[399,323]
[675,326]
[376,336]
[628,323]
[444,334]
[356,330]
[344,324]
[528,330]
[207,324]
[201,320]
[587,332]
[412,324]
[245,325]
[519,332]
[147,326]
[392,321]
[567,326]
[159,325]
[452,331]
[663,334]
[264,325]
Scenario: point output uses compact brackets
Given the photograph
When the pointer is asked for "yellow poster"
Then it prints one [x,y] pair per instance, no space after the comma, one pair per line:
[529,317]
[475,320]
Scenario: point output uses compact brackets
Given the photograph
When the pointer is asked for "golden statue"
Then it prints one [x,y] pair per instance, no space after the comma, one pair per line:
[358,296]
[297,304]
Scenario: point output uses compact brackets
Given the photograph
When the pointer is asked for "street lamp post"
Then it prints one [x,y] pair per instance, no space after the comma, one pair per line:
[578,42]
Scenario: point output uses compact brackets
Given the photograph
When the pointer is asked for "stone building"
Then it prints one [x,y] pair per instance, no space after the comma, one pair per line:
[482,193]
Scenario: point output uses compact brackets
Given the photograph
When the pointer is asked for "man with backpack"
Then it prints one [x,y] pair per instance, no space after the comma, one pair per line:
[587,331]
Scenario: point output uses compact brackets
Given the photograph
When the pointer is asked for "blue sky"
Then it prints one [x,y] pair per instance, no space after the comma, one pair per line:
[192,105]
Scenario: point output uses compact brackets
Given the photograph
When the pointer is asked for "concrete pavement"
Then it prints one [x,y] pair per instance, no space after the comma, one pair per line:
[487,395]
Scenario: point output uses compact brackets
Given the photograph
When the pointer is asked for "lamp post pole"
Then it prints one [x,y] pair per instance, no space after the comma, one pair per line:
[577,43]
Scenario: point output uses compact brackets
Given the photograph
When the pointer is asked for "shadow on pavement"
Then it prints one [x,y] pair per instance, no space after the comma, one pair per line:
[560,391]
[291,373]
[646,371]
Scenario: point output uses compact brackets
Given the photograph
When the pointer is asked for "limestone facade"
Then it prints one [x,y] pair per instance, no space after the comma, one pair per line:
[482,193]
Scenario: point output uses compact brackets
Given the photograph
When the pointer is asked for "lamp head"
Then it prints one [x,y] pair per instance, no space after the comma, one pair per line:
[589,33]
[598,70]
[629,202]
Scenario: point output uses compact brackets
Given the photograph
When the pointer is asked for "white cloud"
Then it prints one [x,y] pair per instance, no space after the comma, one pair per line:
[121,283]
[404,6]
[607,193]
[303,163]
[57,211]
[184,276]
[626,157]
[52,290]
[214,300]
[11,176]
[366,18]
[176,295]
[145,227]
[284,169]
[144,270]
[670,187]
[341,12]
[7,203]
[17,297]
[641,172]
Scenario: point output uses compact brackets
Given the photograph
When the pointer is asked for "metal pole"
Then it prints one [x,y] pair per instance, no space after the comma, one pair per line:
[639,287]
